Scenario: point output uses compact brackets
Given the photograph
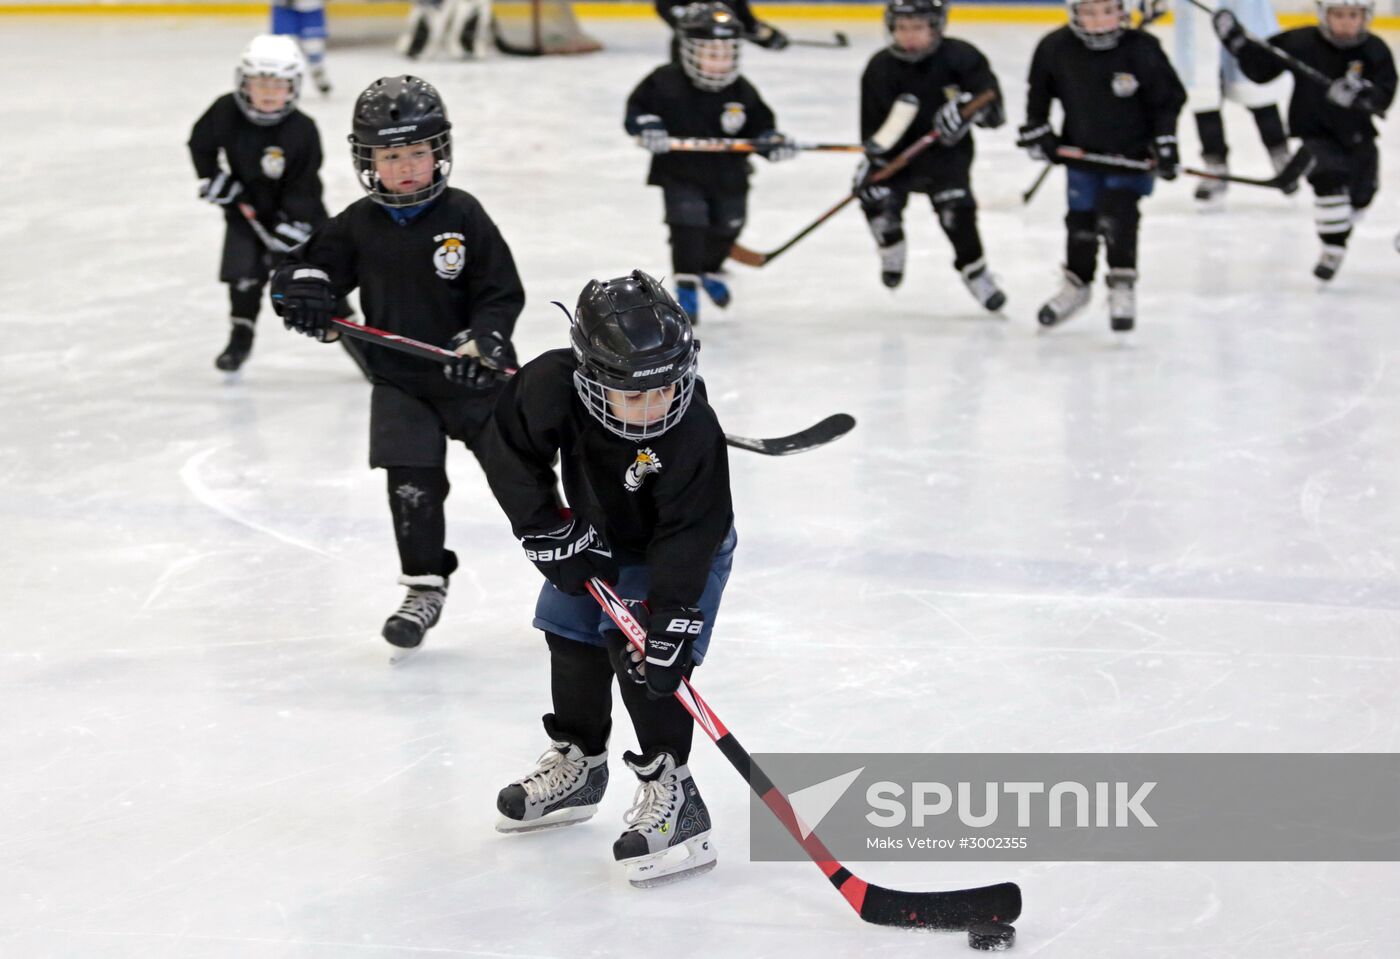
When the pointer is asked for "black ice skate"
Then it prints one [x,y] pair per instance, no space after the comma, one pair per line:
[1072,297]
[418,613]
[566,787]
[1122,299]
[668,826]
[983,287]
[1330,262]
[1211,193]
[892,260]
[240,344]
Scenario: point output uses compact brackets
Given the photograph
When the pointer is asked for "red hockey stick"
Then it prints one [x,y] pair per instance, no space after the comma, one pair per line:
[942,909]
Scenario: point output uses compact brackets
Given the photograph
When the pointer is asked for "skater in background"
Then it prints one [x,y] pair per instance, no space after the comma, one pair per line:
[645,474]
[755,30]
[305,20]
[943,73]
[705,194]
[1334,121]
[256,154]
[1120,97]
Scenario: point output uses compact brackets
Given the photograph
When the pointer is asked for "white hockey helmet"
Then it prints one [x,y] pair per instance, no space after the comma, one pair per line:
[269,55]
[1098,39]
[1368,10]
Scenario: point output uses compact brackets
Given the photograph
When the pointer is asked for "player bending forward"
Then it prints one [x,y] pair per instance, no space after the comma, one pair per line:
[646,477]
[431,265]
[706,194]
[1334,122]
[1120,96]
[943,74]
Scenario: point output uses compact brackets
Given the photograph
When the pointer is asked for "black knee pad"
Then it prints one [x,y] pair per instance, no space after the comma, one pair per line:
[959,222]
[1081,243]
[1211,128]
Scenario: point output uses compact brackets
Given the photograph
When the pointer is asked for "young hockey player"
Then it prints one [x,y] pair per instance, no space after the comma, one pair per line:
[1120,96]
[705,194]
[943,73]
[646,478]
[272,153]
[1334,122]
[1211,76]
[306,21]
[431,265]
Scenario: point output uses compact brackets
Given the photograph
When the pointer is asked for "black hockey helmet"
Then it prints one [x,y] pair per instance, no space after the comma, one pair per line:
[631,337]
[935,12]
[400,112]
[1100,39]
[711,30]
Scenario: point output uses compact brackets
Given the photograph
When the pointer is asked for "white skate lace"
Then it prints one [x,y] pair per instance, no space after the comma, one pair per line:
[652,805]
[555,771]
[421,606]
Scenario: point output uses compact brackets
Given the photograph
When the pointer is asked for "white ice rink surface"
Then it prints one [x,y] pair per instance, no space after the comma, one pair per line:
[1184,540]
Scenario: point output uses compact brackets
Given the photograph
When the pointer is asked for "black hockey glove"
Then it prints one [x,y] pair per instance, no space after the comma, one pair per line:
[485,360]
[220,190]
[570,555]
[1040,142]
[774,147]
[1164,152]
[653,137]
[769,37]
[949,122]
[670,634]
[1228,29]
[1350,92]
[871,194]
[302,296]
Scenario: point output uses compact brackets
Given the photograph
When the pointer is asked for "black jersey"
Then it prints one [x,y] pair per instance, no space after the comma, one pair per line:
[1115,101]
[1310,113]
[687,111]
[279,166]
[664,501]
[955,67]
[447,270]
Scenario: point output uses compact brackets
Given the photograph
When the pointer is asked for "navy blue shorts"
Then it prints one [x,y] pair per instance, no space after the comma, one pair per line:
[580,618]
[1084,186]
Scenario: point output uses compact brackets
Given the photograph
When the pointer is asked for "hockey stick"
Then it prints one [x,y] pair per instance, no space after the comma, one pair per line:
[838,39]
[726,145]
[1297,166]
[268,240]
[944,909]
[749,257]
[818,434]
[1288,59]
[1035,187]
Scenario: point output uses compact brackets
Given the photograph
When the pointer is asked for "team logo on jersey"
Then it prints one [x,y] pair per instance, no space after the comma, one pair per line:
[274,163]
[1124,84]
[732,120]
[646,462]
[951,93]
[450,256]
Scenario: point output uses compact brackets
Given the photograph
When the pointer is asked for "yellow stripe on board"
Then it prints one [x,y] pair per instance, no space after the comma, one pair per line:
[627,10]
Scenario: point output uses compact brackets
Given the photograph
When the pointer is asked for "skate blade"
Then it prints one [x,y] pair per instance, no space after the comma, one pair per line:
[570,817]
[402,654]
[694,857]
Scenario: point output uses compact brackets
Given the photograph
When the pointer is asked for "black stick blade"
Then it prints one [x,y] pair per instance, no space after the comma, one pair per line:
[1297,167]
[819,434]
[952,909]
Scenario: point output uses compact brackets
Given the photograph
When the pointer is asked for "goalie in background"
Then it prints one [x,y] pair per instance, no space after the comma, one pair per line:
[921,81]
[458,28]
[1333,121]
[705,194]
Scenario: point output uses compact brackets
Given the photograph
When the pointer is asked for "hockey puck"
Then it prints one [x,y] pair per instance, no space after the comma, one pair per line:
[991,936]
